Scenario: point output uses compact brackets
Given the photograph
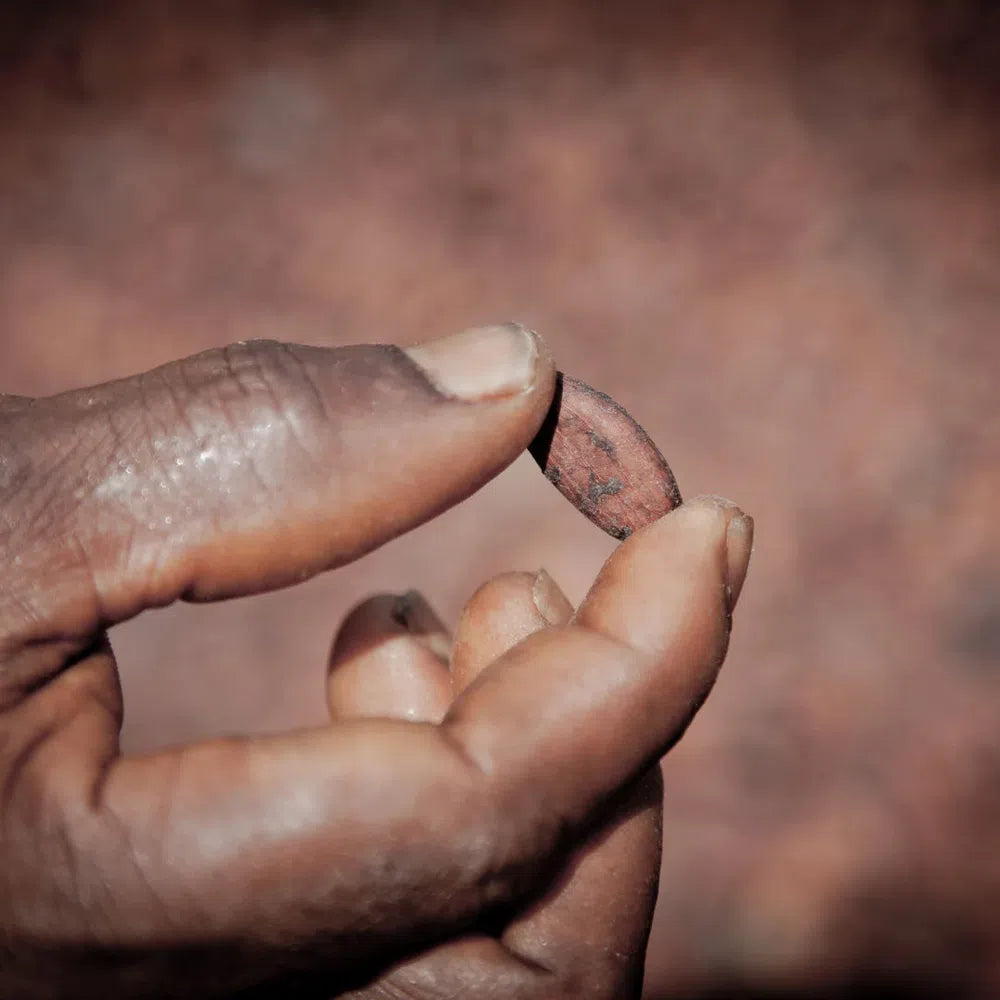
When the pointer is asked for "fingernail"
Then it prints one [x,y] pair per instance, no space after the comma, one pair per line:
[739,543]
[739,546]
[412,612]
[483,363]
[552,603]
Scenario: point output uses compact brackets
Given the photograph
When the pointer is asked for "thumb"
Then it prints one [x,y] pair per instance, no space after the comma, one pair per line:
[245,469]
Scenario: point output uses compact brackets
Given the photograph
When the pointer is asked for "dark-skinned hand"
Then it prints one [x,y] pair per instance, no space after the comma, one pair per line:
[482,816]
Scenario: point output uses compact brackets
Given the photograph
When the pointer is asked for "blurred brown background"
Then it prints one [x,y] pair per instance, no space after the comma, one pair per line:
[771,229]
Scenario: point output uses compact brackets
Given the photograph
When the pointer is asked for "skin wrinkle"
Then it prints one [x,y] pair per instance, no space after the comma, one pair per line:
[184,402]
[107,819]
[16,766]
[105,693]
[252,372]
[61,848]
[35,516]
[286,403]
[65,456]
[123,426]
[264,382]
[26,623]
[170,783]
[154,387]
[511,846]
[543,833]
[134,552]
[54,847]
[305,378]
[234,425]
[232,356]
[98,616]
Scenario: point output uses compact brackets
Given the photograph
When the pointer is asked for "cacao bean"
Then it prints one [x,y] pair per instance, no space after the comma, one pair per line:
[602,461]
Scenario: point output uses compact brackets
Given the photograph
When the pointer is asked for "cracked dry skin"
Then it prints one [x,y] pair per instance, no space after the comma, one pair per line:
[602,461]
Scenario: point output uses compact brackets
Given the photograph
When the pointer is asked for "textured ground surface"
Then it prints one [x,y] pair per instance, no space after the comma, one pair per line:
[775,237]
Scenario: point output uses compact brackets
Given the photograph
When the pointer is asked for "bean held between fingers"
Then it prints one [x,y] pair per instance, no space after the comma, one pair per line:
[602,461]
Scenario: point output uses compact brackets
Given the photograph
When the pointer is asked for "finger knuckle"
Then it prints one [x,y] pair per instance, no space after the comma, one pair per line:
[515,833]
[38,842]
[274,373]
[20,477]
[15,464]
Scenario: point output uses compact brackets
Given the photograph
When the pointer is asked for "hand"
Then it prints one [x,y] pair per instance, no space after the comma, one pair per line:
[509,839]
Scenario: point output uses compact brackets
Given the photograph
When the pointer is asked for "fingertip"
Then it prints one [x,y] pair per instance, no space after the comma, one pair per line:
[552,604]
[711,521]
[681,560]
[501,613]
[738,541]
[390,660]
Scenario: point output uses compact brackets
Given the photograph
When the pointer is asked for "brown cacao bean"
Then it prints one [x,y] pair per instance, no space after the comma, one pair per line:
[602,461]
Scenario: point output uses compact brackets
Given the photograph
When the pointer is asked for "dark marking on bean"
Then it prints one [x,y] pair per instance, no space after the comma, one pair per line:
[597,489]
[602,442]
